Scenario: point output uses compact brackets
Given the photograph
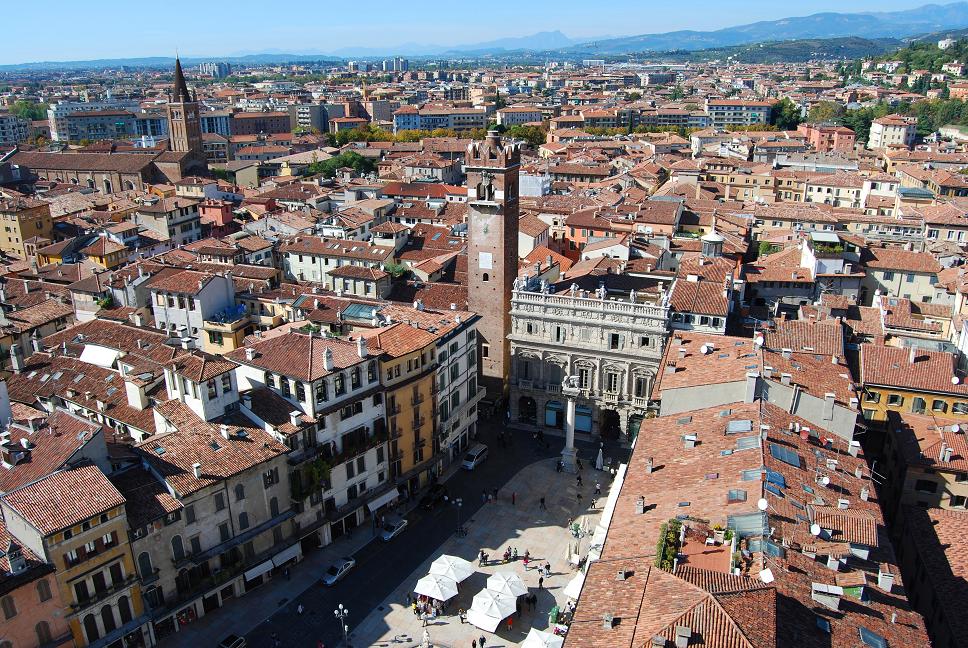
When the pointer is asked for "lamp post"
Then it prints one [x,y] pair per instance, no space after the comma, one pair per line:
[341,613]
[459,502]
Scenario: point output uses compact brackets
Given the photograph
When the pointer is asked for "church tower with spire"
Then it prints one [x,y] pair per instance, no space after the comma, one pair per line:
[184,126]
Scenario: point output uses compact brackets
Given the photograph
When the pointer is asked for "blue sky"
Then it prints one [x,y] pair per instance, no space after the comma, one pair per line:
[116,29]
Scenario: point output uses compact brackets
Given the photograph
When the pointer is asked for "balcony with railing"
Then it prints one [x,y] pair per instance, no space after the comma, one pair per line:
[417,400]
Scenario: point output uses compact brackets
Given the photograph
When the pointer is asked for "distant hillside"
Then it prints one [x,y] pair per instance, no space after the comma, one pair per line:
[894,24]
[792,51]
[924,54]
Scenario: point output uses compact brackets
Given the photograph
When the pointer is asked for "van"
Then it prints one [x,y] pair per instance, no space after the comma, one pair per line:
[475,457]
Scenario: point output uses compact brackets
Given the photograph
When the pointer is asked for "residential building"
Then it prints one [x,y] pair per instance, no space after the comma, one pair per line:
[14,129]
[23,218]
[183,300]
[313,258]
[75,519]
[892,131]
[736,112]
[174,219]
[910,380]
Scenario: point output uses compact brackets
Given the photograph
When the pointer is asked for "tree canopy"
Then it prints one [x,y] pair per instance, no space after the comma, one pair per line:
[350,159]
[785,114]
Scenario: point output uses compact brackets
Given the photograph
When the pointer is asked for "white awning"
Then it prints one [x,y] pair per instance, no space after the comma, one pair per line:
[378,502]
[258,570]
[99,355]
[573,588]
[286,555]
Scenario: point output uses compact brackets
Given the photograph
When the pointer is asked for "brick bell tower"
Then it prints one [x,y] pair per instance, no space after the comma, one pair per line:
[184,125]
[492,251]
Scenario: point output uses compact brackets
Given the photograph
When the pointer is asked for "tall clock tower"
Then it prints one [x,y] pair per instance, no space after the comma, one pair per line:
[492,251]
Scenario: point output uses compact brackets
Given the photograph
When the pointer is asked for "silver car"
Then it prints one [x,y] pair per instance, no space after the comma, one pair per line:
[336,571]
[392,529]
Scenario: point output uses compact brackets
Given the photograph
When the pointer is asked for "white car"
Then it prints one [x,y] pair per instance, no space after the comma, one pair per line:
[337,570]
[392,529]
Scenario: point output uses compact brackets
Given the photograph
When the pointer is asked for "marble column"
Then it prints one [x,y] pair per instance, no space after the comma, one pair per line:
[569,454]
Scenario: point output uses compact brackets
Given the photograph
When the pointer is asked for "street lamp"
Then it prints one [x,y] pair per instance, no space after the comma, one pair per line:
[341,613]
[459,501]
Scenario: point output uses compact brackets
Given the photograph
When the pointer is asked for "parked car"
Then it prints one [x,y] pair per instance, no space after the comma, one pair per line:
[475,457]
[337,570]
[436,495]
[232,641]
[393,528]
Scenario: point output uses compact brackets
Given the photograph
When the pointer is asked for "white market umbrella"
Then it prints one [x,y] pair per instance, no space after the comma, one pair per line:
[453,567]
[437,587]
[482,621]
[494,604]
[541,639]
[573,588]
[600,460]
[507,583]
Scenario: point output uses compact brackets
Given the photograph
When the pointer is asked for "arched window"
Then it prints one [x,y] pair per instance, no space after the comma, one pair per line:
[486,277]
[144,564]
[177,548]
[125,609]
[43,633]
[128,185]
[274,506]
[239,492]
[43,590]
[9,607]
[243,520]
[107,619]
[90,628]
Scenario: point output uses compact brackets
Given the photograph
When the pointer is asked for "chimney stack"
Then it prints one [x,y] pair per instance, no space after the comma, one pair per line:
[197,470]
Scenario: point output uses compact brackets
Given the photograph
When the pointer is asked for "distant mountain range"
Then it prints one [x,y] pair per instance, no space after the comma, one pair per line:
[893,24]
[873,26]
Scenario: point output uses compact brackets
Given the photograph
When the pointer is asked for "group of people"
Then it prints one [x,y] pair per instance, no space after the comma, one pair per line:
[425,608]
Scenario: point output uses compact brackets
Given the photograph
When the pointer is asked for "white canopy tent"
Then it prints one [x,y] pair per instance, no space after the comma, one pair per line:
[453,567]
[507,583]
[541,639]
[437,587]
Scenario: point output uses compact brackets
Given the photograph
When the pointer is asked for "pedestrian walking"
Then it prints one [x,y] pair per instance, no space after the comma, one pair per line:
[483,496]
[541,505]
[494,493]
[578,497]
[514,497]
[409,599]
[299,609]
[480,642]
[460,615]
[510,623]
[540,582]
[579,480]
[559,465]
[286,572]
[598,488]
[578,461]
[473,643]
[320,644]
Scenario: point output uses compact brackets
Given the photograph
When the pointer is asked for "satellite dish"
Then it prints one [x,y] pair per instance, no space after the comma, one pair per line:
[955,380]
[825,480]
[767,575]
[758,340]
[763,504]
[706,349]
[956,428]
[815,529]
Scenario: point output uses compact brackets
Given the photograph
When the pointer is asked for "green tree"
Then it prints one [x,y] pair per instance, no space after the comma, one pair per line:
[533,135]
[328,168]
[785,114]
[29,109]
[825,111]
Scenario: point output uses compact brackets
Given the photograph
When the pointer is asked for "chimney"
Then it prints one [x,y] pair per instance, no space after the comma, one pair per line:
[361,347]
[640,505]
[833,563]
[865,493]
[328,360]
[295,418]
[690,441]
[670,367]
[138,319]
[885,579]
[946,453]
[197,470]
[853,448]
[785,378]
[751,378]
[786,353]
[16,358]
[767,371]
[828,406]
[913,354]
[224,430]
[649,466]
[453,306]
[683,635]
[249,354]
[608,621]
